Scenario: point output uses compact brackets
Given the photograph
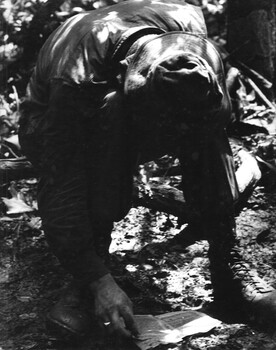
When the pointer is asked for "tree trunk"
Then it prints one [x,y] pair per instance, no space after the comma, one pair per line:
[251,35]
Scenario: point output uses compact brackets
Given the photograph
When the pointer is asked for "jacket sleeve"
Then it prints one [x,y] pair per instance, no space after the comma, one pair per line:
[62,195]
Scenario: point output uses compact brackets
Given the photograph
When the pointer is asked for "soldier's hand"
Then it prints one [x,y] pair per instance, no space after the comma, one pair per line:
[113,308]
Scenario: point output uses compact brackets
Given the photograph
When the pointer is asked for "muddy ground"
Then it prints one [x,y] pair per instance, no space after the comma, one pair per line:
[31,279]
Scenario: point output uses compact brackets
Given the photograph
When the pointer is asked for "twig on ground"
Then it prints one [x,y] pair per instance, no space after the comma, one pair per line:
[260,94]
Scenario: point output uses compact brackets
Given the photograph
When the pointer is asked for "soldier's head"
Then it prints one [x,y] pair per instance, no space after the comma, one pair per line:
[176,73]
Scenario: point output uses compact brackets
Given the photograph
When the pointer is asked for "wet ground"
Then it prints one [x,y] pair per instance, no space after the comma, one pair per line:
[31,279]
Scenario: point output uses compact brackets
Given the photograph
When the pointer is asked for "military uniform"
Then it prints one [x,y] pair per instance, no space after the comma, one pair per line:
[85,130]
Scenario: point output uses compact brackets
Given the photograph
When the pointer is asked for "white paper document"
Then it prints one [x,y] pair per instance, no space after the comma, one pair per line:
[171,327]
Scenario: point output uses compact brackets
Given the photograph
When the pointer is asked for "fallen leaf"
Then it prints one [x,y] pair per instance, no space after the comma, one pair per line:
[16,206]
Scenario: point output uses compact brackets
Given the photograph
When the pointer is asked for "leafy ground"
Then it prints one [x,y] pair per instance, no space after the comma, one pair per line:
[31,279]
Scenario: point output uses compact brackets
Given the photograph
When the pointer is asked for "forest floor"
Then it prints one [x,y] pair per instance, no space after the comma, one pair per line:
[31,279]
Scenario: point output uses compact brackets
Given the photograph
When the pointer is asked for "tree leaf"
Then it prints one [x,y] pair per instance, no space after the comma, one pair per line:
[16,205]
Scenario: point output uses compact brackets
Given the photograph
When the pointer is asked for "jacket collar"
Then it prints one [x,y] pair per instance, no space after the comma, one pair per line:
[129,38]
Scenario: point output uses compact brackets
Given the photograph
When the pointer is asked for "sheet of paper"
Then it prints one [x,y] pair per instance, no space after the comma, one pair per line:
[171,327]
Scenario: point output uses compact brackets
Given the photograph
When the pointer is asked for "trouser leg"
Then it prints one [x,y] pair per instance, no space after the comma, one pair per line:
[209,187]
[109,164]
[235,285]
[208,181]
[109,169]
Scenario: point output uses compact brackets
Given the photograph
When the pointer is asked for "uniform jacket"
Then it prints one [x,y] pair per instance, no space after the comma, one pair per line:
[82,50]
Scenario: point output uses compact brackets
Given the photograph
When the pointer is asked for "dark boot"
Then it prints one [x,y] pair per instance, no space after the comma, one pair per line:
[237,289]
[70,316]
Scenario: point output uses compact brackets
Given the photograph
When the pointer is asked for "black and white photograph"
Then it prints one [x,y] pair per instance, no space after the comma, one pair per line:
[137,175]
